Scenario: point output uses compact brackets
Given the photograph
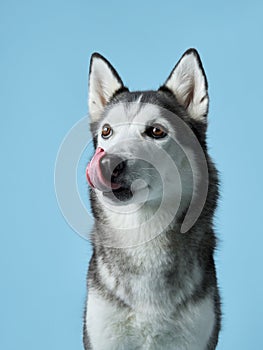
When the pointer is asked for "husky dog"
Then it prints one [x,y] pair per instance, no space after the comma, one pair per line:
[151,281]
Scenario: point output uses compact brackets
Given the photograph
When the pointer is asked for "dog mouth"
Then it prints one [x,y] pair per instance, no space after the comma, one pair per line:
[114,177]
[132,191]
[100,177]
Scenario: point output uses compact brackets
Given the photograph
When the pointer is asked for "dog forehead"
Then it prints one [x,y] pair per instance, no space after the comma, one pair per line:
[132,113]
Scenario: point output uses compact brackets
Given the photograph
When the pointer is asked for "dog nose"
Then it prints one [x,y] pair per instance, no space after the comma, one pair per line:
[112,166]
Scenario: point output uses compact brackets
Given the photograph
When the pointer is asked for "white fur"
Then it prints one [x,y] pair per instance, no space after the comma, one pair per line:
[187,82]
[128,125]
[127,329]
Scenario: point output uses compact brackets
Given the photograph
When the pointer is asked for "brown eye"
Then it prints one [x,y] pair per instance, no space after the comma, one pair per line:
[106,131]
[156,131]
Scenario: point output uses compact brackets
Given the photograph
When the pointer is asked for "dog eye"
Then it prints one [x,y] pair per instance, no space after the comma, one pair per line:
[156,131]
[106,131]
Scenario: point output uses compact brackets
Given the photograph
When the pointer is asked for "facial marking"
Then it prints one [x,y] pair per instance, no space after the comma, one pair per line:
[131,121]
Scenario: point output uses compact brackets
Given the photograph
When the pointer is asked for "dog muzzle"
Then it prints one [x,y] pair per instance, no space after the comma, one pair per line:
[103,170]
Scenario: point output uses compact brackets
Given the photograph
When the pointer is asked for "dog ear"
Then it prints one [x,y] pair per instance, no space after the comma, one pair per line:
[188,83]
[104,82]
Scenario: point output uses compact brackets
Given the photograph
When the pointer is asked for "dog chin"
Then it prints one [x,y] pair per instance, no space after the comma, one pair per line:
[126,195]
[122,194]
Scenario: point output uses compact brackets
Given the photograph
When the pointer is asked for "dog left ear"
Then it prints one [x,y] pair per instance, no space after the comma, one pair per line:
[188,83]
[104,83]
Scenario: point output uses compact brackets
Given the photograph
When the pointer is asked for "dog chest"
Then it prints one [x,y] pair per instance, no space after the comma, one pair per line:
[112,326]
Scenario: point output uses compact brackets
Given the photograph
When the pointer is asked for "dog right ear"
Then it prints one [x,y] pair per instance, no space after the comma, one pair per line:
[104,83]
[189,85]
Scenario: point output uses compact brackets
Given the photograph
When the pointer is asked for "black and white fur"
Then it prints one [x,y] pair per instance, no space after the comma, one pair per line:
[162,294]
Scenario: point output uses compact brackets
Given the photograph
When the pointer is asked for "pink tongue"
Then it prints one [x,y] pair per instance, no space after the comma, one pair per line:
[94,174]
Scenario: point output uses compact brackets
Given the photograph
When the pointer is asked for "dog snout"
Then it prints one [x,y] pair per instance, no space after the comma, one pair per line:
[112,167]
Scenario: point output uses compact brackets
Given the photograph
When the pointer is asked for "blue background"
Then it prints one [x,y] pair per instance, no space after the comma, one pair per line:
[45,51]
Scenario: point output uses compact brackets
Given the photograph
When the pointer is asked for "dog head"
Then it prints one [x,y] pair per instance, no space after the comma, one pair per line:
[141,137]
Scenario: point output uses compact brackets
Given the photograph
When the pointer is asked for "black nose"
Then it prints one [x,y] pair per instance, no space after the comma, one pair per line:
[112,167]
